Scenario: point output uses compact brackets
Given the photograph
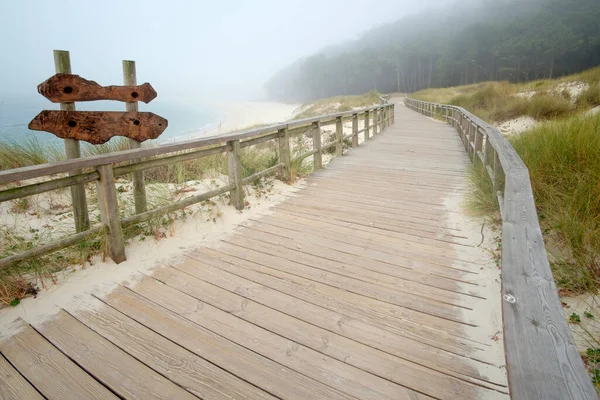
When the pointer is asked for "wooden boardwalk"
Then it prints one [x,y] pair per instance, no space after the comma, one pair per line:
[369,284]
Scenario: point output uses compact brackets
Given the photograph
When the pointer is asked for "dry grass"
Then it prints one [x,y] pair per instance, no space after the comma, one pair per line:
[338,104]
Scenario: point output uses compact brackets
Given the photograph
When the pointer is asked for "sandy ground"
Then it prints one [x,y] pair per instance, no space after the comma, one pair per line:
[517,125]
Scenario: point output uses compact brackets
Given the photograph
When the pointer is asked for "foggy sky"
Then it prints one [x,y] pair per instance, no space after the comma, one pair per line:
[184,48]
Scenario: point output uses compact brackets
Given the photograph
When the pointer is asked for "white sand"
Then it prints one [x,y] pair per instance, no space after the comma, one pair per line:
[586,333]
[593,111]
[574,89]
[517,125]
[486,314]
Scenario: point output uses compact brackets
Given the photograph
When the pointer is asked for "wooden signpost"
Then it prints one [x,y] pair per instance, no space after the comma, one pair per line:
[97,127]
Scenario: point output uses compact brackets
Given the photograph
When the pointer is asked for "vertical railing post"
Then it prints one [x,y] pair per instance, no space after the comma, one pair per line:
[393,113]
[62,64]
[478,143]
[487,151]
[139,187]
[109,213]
[354,130]
[284,155]
[367,124]
[316,135]
[374,122]
[234,170]
[339,137]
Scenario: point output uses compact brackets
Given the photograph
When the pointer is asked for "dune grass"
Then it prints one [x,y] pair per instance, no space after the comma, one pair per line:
[563,158]
[502,101]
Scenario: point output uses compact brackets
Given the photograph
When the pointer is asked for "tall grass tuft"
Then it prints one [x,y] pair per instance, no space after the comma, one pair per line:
[563,158]
[30,152]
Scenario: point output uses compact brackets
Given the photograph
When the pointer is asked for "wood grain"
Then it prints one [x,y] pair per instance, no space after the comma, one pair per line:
[50,371]
[97,127]
[69,88]
[125,375]
[13,386]
[176,363]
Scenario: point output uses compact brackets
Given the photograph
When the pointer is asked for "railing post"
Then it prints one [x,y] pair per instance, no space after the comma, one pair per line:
[354,130]
[478,143]
[109,212]
[62,64]
[487,151]
[339,137]
[316,134]
[234,170]
[139,188]
[374,122]
[393,114]
[284,155]
[367,124]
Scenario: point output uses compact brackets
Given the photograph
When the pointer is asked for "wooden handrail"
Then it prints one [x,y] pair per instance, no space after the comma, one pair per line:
[40,170]
[542,359]
[104,170]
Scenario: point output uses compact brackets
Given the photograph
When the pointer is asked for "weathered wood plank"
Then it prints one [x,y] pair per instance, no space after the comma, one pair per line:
[68,88]
[122,373]
[316,137]
[371,335]
[97,127]
[285,155]
[14,386]
[234,170]
[62,64]
[109,212]
[338,347]
[294,355]
[139,187]
[50,371]
[190,371]
[258,370]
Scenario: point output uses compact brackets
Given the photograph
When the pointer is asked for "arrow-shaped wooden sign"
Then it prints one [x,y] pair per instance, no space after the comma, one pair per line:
[98,127]
[68,88]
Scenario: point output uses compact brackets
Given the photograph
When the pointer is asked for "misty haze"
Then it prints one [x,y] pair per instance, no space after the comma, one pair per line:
[285,199]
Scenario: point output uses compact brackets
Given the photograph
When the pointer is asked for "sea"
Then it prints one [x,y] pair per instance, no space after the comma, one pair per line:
[185,120]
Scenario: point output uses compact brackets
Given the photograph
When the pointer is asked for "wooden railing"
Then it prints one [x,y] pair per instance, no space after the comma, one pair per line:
[541,358]
[102,169]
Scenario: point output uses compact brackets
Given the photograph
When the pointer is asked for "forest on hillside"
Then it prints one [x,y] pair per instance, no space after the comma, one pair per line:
[468,42]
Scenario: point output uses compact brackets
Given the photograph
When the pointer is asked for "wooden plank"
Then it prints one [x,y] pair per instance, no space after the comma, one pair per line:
[339,140]
[351,328]
[109,212]
[355,130]
[248,365]
[294,355]
[234,170]
[316,137]
[62,64]
[137,177]
[14,386]
[123,374]
[381,364]
[236,261]
[68,88]
[535,329]
[176,363]
[285,155]
[50,371]
[426,308]
[97,127]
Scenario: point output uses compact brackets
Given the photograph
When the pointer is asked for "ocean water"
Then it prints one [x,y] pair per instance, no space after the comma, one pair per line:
[16,113]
